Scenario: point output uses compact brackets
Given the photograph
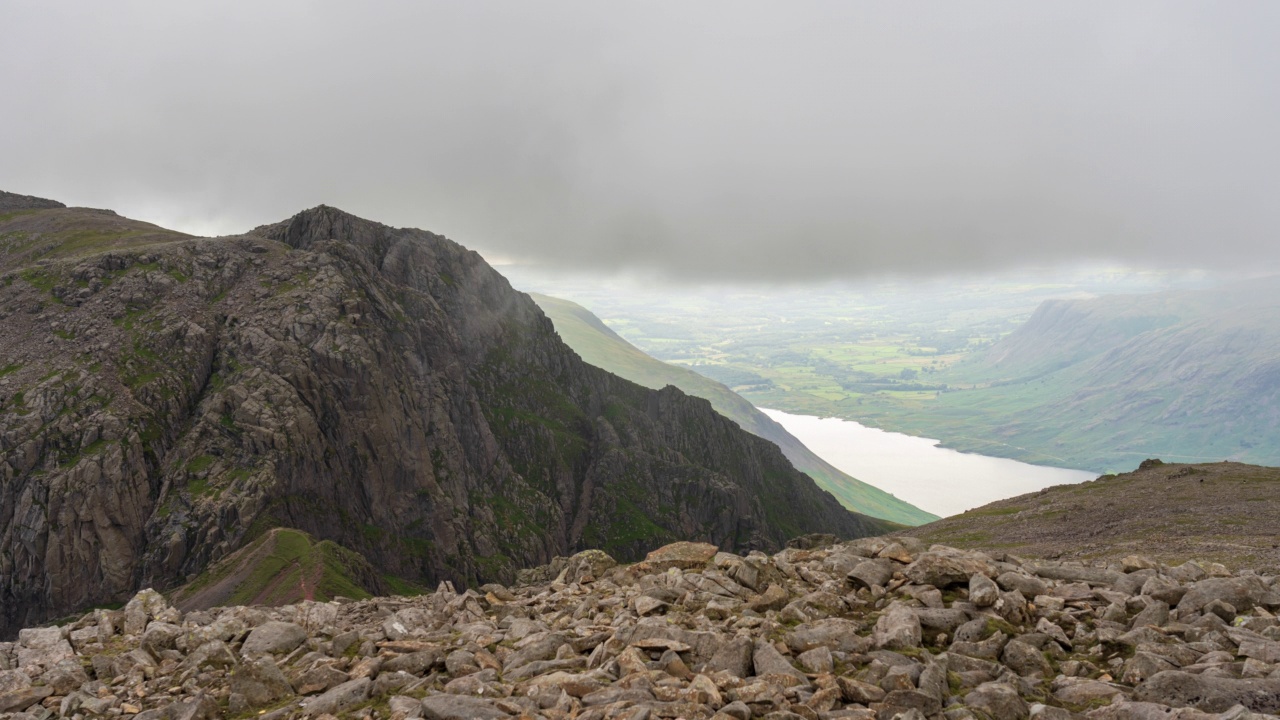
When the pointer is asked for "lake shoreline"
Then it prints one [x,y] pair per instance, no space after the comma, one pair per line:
[920,470]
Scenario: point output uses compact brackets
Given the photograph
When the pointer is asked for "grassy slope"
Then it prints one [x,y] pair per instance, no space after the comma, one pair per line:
[283,566]
[1101,384]
[1221,512]
[600,346]
[28,236]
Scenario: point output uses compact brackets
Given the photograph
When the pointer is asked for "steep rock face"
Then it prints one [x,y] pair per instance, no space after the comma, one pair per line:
[164,399]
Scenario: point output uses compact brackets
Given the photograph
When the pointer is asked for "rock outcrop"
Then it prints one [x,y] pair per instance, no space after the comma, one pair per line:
[687,633]
[164,400]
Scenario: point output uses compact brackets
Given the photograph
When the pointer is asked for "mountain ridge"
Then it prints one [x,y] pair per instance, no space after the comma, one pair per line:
[167,399]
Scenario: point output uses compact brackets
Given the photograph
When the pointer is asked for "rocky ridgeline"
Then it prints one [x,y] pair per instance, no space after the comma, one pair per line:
[874,628]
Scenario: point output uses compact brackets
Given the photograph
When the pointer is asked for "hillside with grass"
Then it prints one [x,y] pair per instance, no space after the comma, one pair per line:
[1219,512]
[1100,384]
[602,347]
[283,567]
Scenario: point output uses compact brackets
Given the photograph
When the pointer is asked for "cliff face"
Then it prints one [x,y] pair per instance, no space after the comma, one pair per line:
[165,399]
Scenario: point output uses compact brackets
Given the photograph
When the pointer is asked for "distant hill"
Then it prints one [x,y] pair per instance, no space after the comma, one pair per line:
[1219,512]
[1101,384]
[602,347]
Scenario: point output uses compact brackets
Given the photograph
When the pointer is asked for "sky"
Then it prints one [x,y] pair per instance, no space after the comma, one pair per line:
[731,141]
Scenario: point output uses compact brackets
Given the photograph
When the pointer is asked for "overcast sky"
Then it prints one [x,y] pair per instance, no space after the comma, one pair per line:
[734,140]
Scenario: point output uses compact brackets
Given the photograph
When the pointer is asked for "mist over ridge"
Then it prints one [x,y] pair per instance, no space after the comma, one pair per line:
[723,141]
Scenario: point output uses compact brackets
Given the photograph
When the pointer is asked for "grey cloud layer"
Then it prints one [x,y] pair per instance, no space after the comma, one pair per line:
[731,140]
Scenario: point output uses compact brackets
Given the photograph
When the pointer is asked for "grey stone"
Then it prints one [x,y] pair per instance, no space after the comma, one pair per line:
[1029,585]
[1239,592]
[768,661]
[817,660]
[160,636]
[870,573]
[901,701]
[733,657]
[416,663]
[836,634]
[1078,573]
[460,707]
[1209,693]
[201,707]
[983,591]
[257,683]
[898,628]
[1082,691]
[273,637]
[322,678]
[1025,659]
[337,699]
[540,648]
[23,698]
[944,568]
[1155,613]
[998,700]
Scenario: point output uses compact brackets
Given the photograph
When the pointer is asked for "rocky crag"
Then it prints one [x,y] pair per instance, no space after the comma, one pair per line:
[878,628]
[165,400]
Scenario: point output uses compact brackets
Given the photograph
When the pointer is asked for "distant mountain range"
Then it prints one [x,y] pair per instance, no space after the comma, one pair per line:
[166,400]
[602,347]
[1101,384]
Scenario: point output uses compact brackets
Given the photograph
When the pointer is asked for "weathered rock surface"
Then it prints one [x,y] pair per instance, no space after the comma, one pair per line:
[578,649]
[164,399]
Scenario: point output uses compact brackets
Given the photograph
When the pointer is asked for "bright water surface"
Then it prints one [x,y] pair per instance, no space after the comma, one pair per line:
[915,469]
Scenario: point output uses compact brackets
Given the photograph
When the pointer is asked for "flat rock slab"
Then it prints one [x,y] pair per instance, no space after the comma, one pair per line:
[273,637]
[683,555]
[460,707]
[1210,694]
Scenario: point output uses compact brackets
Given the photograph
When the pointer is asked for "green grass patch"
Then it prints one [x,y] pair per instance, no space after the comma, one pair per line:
[40,280]
[400,586]
[199,463]
[285,564]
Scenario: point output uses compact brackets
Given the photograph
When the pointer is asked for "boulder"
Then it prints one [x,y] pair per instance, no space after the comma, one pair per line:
[1026,660]
[257,683]
[683,555]
[1241,593]
[898,628]
[998,700]
[343,697]
[774,597]
[983,591]
[734,657]
[1210,693]
[460,707]
[273,637]
[768,661]
[44,647]
[943,568]
[832,633]
[588,565]
[871,573]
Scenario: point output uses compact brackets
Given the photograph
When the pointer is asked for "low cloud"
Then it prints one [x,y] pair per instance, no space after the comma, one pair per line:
[728,141]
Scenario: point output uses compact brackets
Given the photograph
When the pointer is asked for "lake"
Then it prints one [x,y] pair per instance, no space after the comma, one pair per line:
[940,480]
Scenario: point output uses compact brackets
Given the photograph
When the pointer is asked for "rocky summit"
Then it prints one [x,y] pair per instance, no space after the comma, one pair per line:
[881,628]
